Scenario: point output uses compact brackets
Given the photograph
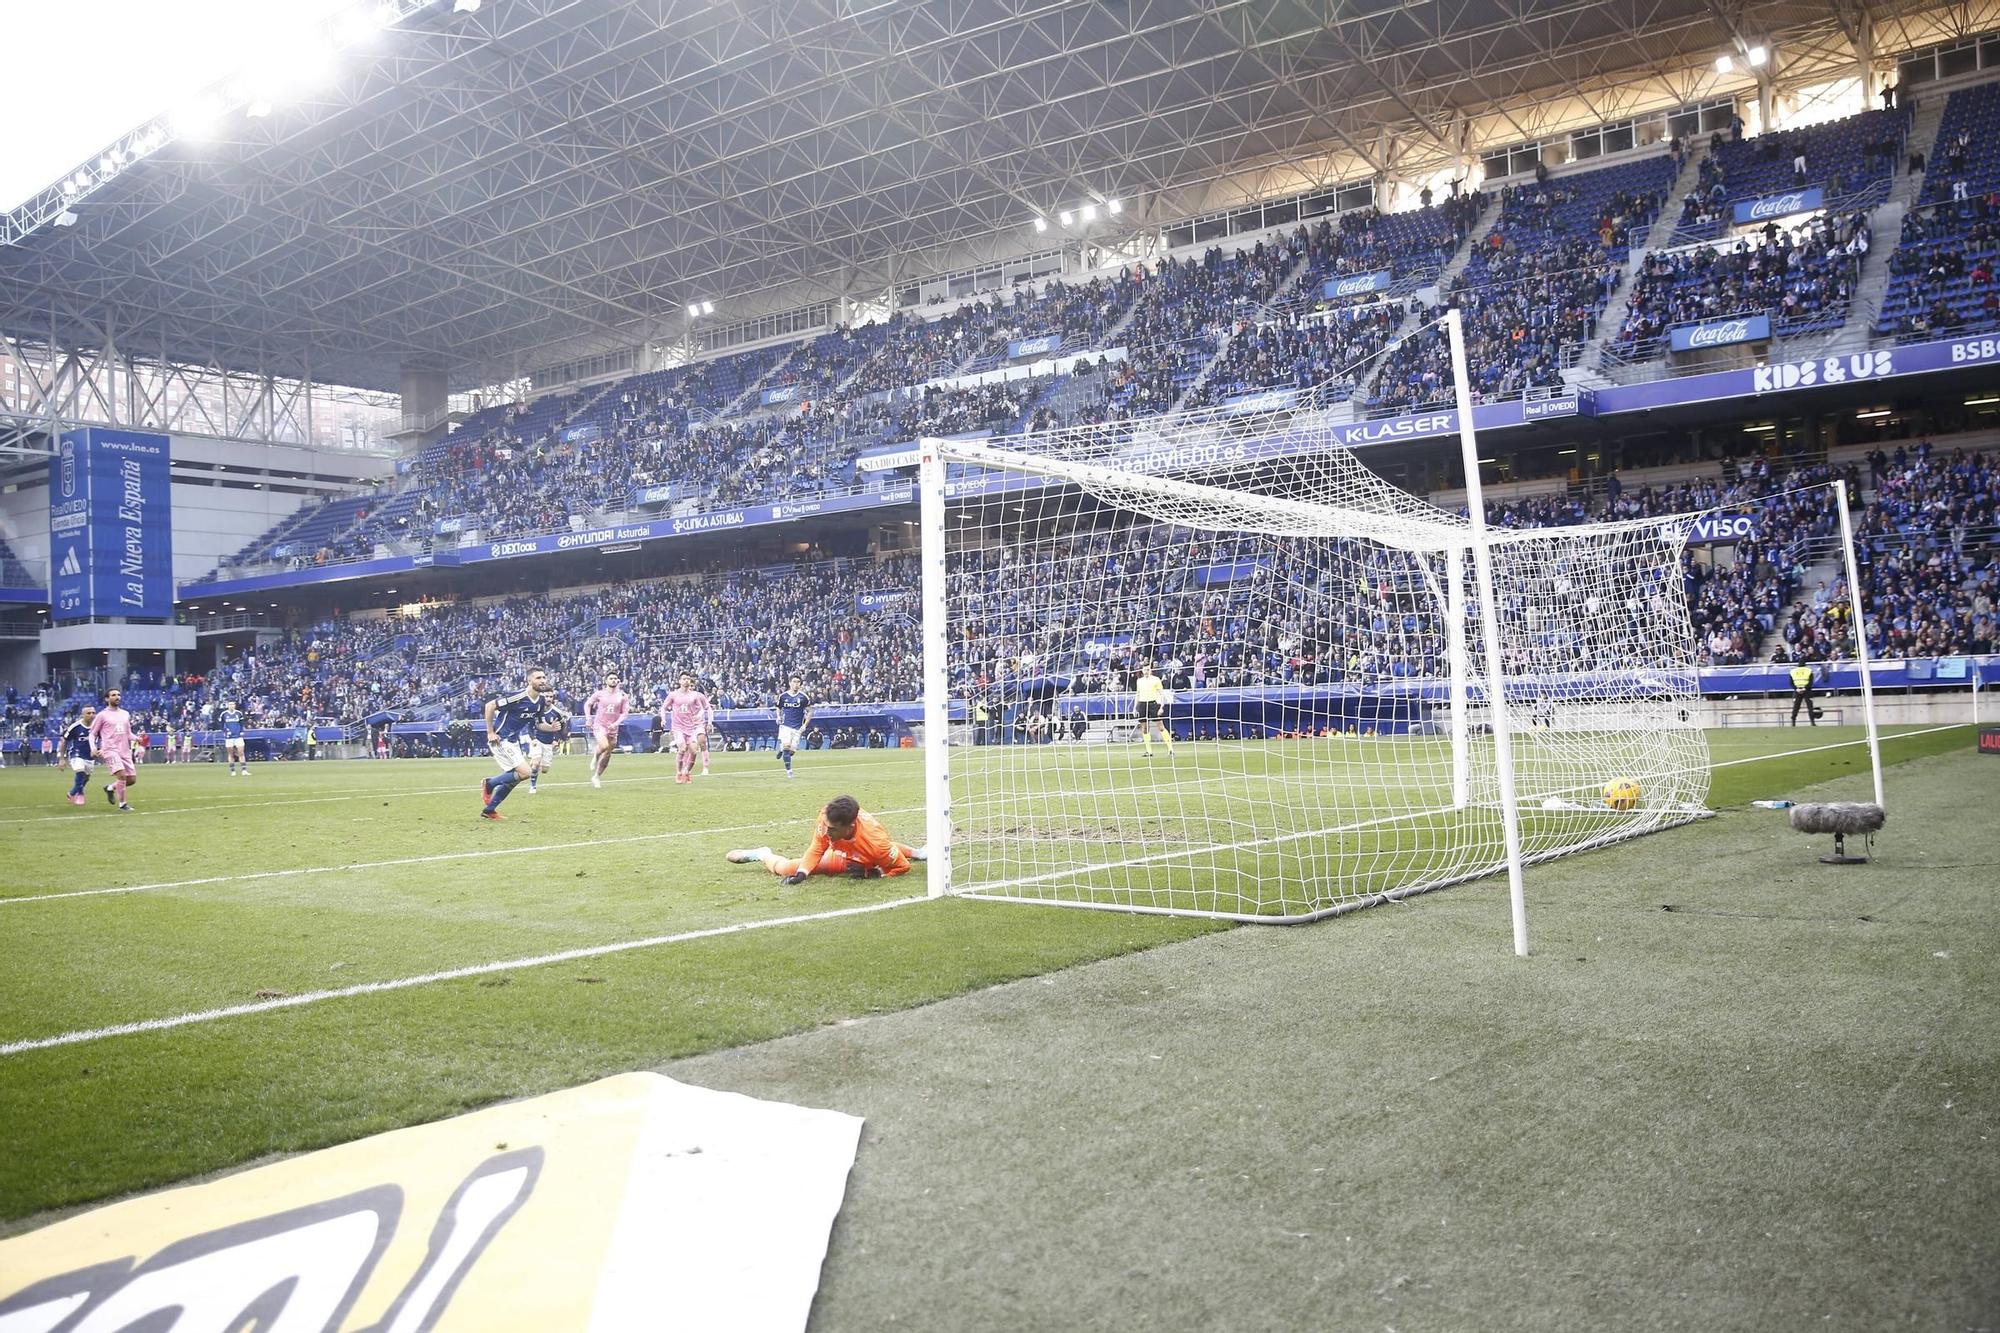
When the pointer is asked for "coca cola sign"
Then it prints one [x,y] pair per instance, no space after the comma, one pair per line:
[1355,284]
[1721,333]
[1780,205]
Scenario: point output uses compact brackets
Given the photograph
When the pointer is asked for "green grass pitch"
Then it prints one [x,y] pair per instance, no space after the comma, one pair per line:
[311,878]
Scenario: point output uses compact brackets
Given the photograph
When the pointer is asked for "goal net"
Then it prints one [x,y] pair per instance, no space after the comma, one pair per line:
[1214,665]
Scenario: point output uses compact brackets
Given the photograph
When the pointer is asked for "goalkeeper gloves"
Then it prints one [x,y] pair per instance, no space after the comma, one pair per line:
[796,877]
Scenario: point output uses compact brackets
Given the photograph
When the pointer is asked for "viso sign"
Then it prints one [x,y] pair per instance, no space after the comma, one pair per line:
[111,541]
[1356,284]
[1780,205]
[1722,529]
[1720,333]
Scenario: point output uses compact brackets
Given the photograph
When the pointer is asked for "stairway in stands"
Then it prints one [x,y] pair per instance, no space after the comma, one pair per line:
[750,390]
[1278,300]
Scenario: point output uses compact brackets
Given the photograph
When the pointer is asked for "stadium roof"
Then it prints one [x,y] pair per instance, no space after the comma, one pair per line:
[474,189]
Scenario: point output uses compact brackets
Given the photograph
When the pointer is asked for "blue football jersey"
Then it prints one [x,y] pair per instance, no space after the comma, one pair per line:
[515,716]
[792,709]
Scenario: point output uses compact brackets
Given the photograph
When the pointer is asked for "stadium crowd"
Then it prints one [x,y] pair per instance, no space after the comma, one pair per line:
[1210,610]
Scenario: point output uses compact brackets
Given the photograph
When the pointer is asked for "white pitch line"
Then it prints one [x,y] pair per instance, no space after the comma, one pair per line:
[376,793]
[430,978]
[1212,847]
[1838,745]
[474,854]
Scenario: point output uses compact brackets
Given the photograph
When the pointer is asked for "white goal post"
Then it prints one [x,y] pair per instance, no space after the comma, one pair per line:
[1337,694]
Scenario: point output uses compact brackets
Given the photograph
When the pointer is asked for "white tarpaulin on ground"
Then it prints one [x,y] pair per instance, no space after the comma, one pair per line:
[631,1203]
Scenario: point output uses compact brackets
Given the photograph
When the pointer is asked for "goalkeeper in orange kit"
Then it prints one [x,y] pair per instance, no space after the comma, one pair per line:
[846,841]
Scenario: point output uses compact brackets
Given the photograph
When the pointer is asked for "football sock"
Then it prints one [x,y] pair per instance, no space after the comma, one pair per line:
[501,786]
[76,787]
[786,755]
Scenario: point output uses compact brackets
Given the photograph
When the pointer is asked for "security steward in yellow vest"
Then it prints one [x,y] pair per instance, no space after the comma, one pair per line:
[1802,695]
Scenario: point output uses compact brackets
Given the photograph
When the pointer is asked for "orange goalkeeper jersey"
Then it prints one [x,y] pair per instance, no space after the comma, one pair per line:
[871,845]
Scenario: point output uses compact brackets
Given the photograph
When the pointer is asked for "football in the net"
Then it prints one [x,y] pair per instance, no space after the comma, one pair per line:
[1621,794]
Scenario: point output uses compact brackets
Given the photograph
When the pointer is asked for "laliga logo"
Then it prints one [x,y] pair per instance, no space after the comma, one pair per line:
[1778,205]
[1718,335]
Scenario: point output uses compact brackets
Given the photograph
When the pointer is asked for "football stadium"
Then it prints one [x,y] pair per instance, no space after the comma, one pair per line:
[773,665]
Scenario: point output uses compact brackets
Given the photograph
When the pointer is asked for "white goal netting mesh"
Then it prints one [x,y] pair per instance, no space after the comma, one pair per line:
[1319,736]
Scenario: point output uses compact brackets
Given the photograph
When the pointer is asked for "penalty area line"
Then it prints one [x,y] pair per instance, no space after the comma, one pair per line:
[431,978]
[473,854]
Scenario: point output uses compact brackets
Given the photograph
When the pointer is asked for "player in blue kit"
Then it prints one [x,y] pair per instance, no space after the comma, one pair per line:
[551,725]
[794,712]
[79,753]
[510,733]
[232,740]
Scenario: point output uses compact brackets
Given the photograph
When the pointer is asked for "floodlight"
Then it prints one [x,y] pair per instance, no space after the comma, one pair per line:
[197,119]
[1723,64]
[465,6]
[65,219]
[1759,56]
[1041,224]
[1066,218]
[1090,212]
[708,307]
[1116,206]
[694,309]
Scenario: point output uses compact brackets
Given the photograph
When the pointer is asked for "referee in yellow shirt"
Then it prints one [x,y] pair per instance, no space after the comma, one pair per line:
[1151,693]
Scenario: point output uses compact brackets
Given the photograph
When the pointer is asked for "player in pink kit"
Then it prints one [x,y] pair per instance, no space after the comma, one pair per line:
[111,733]
[686,713]
[604,711]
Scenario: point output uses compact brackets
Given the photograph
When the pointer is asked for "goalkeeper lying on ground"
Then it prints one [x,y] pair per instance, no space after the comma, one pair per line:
[847,841]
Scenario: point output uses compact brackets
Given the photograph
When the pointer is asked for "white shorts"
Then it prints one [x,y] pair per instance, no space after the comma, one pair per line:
[788,738]
[507,754]
[233,743]
[542,753]
[81,765]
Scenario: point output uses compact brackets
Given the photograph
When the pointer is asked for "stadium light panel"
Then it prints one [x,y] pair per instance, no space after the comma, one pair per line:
[465,6]
[196,120]
[708,307]
[1066,218]
[1759,56]
[1116,206]
[1041,224]
[1723,64]
[694,309]
[1090,212]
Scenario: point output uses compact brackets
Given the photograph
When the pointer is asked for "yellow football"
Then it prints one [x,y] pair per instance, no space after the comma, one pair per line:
[1621,794]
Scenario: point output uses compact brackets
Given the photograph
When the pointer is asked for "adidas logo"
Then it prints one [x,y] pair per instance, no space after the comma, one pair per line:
[71,566]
